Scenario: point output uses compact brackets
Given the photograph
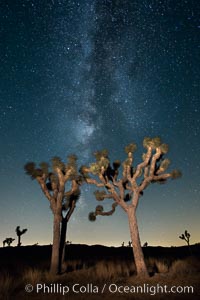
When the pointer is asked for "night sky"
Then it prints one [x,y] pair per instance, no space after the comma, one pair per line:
[79,76]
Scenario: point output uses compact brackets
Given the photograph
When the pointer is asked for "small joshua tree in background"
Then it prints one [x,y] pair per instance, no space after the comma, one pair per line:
[130,187]
[145,244]
[53,182]
[19,234]
[8,241]
[185,236]
[129,244]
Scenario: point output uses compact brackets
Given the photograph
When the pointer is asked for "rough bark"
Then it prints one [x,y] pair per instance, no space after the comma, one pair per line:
[61,267]
[65,221]
[136,244]
[55,247]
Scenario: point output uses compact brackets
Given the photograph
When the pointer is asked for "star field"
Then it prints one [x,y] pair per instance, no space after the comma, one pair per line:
[78,76]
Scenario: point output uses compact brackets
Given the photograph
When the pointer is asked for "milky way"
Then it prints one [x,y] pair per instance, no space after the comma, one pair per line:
[77,76]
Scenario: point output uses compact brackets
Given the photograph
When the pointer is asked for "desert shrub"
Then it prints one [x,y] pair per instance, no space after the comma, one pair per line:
[74,265]
[157,265]
[32,276]
[185,267]
[7,286]
[49,277]
[161,266]
[112,269]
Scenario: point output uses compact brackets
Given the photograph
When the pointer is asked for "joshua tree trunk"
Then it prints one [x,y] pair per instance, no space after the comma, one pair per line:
[136,244]
[19,241]
[65,221]
[62,244]
[55,247]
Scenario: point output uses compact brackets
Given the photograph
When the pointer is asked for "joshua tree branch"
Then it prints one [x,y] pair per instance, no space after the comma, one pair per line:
[148,179]
[163,176]
[107,213]
[146,171]
[154,159]
[135,199]
[128,172]
[44,188]
[74,188]
[101,177]
[120,201]
[61,178]
[121,190]
[145,183]
[95,182]
[70,212]
[106,196]
[142,165]
[67,175]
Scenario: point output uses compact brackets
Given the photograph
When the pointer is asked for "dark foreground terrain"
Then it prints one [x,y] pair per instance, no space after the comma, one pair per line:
[96,272]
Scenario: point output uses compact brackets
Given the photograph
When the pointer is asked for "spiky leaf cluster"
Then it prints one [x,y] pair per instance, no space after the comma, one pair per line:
[104,162]
[101,154]
[130,148]
[96,168]
[71,166]
[100,195]
[164,148]
[152,142]
[32,171]
[72,159]
[29,168]
[57,163]
[176,174]
[116,164]
[99,209]
[84,170]
[45,168]
[164,165]
[92,216]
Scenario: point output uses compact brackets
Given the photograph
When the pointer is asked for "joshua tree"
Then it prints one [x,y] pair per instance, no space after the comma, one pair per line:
[129,244]
[145,244]
[130,187]
[186,236]
[8,241]
[62,203]
[19,233]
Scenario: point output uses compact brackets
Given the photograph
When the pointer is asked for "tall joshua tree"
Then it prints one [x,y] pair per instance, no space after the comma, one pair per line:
[62,203]
[130,187]
[19,234]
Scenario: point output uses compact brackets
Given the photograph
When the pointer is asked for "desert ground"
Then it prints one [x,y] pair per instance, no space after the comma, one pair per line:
[96,272]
